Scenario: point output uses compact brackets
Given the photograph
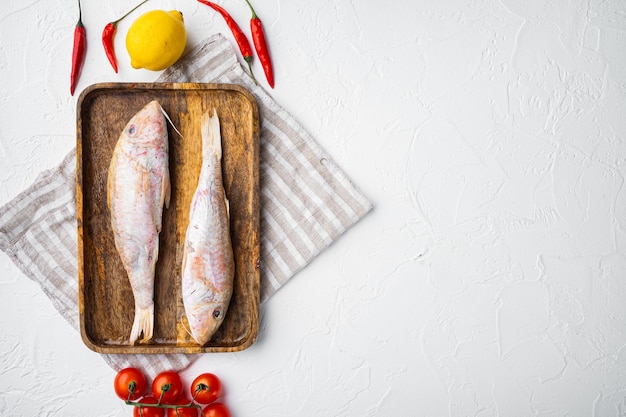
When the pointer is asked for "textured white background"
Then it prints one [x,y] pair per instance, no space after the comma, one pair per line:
[490,278]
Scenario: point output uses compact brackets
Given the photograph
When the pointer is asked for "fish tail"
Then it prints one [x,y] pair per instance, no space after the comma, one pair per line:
[143,323]
[211,137]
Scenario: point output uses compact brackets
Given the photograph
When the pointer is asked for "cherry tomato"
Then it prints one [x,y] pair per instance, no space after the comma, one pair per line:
[207,386]
[215,410]
[148,411]
[170,383]
[184,411]
[130,379]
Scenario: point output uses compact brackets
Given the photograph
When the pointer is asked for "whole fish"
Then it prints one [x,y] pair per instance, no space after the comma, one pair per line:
[208,264]
[138,187]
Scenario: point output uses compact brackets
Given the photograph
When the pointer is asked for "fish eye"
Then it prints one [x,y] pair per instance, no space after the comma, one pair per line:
[217,313]
[132,129]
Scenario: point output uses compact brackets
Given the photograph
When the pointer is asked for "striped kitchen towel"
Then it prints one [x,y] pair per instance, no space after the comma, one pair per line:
[306,203]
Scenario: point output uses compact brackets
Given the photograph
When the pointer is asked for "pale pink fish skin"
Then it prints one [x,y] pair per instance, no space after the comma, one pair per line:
[208,263]
[138,187]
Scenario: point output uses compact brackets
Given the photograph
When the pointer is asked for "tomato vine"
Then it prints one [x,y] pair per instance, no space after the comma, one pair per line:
[167,394]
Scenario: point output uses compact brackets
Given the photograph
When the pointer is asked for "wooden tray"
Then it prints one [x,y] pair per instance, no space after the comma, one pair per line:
[105,299]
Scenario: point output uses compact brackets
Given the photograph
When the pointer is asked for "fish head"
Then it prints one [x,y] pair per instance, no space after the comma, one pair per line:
[147,126]
[205,317]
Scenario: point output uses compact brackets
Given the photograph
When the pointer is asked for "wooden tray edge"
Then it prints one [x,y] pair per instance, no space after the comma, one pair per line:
[148,348]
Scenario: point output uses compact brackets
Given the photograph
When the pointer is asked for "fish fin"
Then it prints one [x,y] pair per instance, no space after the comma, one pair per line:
[187,330]
[110,175]
[155,255]
[143,323]
[184,262]
[167,116]
[211,137]
[166,189]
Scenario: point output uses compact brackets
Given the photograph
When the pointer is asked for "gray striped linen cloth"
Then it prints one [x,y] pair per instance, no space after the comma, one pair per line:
[306,201]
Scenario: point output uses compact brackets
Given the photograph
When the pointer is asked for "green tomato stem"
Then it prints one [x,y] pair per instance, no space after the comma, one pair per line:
[199,388]
[159,405]
[164,389]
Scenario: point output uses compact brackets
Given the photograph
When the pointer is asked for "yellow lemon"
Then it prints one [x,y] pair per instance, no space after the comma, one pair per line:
[156,39]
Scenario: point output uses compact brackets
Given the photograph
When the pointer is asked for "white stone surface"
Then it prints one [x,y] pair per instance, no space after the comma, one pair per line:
[490,278]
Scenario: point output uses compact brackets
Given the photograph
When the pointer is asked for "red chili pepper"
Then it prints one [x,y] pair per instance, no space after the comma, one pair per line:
[240,37]
[107,40]
[260,44]
[78,53]
[108,34]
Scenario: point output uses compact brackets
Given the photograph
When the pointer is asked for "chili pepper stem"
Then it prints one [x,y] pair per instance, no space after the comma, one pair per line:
[80,15]
[115,22]
[254,16]
[249,62]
